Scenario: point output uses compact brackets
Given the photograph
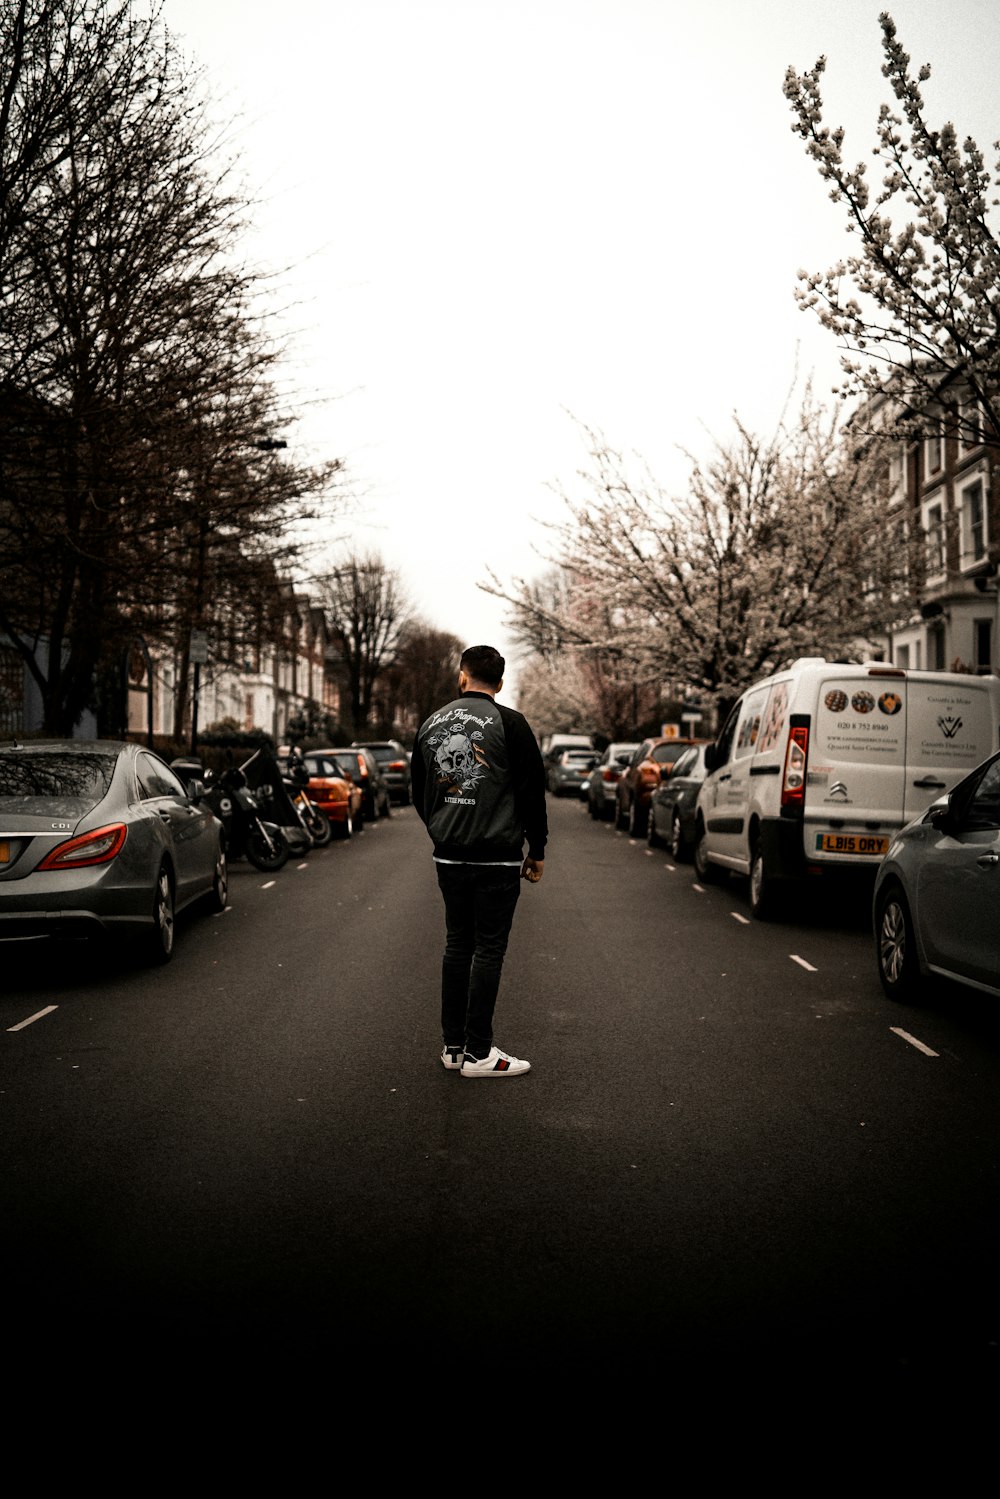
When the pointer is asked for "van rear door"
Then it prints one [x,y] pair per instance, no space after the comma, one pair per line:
[950,729]
[855,786]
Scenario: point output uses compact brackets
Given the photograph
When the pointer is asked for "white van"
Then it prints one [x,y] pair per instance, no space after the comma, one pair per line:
[818,766]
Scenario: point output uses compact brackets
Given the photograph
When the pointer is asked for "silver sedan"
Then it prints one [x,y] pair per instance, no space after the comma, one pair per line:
[99,836]
[937,892]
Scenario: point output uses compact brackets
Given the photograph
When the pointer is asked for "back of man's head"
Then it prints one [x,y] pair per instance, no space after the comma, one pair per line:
[481,663]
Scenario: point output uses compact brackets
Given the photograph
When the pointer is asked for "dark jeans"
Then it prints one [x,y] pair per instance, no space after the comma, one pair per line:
[479,903]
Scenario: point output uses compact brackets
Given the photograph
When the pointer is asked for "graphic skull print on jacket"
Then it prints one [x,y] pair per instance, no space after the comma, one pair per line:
[479,783]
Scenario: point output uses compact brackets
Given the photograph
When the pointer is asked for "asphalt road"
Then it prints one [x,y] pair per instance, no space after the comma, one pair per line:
[728,1160]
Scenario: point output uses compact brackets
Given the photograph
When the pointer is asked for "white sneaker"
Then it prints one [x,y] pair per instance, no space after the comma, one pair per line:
[497,1064]
[452,1057]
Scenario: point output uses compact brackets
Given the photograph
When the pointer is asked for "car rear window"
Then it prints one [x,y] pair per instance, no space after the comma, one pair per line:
[666,754]
[53,785]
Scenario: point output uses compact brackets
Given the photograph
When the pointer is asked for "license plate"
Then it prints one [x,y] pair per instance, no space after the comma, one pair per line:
[851,843]
[4,853]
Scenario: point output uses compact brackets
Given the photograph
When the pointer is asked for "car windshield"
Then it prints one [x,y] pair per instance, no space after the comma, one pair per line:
[666,754]
[40,784]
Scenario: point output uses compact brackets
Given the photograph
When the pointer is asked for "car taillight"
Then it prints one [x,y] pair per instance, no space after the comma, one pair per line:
[793,782]
[397,765]
[98,847]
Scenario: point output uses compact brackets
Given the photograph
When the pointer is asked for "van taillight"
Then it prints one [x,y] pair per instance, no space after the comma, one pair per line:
[793,783]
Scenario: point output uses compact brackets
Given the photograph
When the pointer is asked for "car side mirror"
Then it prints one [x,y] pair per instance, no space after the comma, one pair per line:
[711,757]
[942,816]
[195,791]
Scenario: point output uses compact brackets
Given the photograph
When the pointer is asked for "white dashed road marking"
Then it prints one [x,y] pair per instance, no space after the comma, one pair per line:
[269,884]
[32,1018]
[913,1041]
[743,920]
[700,889]
[802,963]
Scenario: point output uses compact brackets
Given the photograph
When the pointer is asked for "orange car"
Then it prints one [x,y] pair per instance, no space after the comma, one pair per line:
[334,791]
[652,763]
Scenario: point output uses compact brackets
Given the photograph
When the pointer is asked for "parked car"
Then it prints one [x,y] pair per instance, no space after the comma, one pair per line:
[937,892]
[335,792]
[97,836]
[394,763]
[651,763]
[569,771]
[672,818]
[365,772]
[602,783]
[818,768]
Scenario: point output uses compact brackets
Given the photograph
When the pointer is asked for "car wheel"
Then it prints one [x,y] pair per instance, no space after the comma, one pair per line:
[159,943]
[763,897]
[346,828]
[677,846]
[621,817]
[218,897]
[703,866]
[895,946]
[653,839]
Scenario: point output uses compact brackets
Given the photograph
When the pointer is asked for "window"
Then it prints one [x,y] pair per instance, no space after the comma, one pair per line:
[935,648]
[983,643]
[984,808]
[155,779]
[686,762]
[903,656]
[973,524]
[934,449]
[934,534]
[970,424]
[897,473]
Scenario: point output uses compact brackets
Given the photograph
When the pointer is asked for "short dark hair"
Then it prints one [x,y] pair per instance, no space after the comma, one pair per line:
[483,664]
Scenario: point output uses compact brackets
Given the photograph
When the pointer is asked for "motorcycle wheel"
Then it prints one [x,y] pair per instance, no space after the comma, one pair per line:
[262,856]
[319,827]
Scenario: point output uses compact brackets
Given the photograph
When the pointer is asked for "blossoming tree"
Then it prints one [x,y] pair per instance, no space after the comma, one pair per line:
[917,303]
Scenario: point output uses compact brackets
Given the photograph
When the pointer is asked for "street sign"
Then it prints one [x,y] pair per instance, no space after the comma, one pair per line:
[199,647]
[670,731]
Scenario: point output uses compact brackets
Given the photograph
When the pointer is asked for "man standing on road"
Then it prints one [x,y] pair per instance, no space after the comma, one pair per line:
[479,786]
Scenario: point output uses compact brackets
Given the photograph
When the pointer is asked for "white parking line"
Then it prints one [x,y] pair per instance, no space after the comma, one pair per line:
[743,920]
[269,884]
[700,888]
[302,866]
[913,1041]
[32,1018]
[802,963]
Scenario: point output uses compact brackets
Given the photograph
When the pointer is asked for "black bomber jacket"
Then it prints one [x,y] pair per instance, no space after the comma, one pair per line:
[478,782]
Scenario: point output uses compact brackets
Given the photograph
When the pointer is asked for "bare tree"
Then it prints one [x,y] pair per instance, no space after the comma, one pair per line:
[424,673]
[366,609]
[917,304]
[137,375]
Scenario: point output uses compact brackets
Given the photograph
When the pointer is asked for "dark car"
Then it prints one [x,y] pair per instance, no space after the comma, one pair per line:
[672,817]
[335,792]
[602,783]
[652,762]
[568,772]
[394,763]
[365,772]
[937,892]
[98,836]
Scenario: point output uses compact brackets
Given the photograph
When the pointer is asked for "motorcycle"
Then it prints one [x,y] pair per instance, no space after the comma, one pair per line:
[314,819]
[267,783]
[248,834]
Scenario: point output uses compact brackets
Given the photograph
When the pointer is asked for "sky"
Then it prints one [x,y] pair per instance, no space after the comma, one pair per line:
[491,221]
